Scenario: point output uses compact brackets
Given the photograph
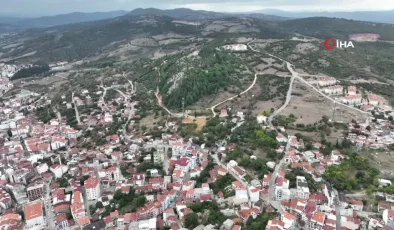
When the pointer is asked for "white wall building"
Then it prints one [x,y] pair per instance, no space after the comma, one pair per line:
[92,187]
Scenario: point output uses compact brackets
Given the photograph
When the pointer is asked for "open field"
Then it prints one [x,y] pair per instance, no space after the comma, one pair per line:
[309,107]
[200,121]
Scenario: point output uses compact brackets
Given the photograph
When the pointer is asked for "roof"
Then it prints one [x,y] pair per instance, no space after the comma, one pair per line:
[319,217]
[98,225]
[91,183]
[33,210]
[84,220]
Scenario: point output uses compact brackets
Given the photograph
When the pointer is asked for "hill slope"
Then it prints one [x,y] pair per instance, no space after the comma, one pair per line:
[339,28]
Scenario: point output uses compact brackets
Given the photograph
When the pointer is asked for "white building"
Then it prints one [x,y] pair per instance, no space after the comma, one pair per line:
[333,90]
[388,218]
[352,99]
[351,90]
[302,188]
[325,81]
[58,170]
[236,47]
[254,194]
[92,187]
[375,99]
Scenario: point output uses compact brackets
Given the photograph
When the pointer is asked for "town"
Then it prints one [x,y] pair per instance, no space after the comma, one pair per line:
[54,177]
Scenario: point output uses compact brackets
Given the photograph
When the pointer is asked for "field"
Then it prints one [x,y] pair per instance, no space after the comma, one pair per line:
[200,121]
[309,107]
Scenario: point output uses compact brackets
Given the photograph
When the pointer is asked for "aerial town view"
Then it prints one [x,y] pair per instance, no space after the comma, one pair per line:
[196,115]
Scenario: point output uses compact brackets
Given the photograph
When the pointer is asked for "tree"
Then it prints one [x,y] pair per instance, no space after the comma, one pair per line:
[191,220]
[9,132]
[99,205]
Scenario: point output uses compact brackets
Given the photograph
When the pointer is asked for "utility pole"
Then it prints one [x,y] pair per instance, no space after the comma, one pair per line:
[183,106]
[333,112]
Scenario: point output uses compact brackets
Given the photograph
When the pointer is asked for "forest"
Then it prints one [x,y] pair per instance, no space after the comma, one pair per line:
[30,72]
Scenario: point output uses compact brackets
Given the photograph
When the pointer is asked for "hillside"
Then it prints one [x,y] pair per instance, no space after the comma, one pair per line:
[121,36]
[320,27]
[19,24]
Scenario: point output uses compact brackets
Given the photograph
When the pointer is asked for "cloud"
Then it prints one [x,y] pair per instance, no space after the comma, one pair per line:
[51,7]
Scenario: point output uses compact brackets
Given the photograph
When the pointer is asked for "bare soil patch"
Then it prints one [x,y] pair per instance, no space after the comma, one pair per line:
[309,107]
[200,121]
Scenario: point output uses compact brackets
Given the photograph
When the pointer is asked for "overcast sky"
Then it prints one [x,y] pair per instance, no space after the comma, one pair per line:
[51,7]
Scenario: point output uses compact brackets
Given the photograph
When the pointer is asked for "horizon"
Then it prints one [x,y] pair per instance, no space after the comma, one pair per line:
[10,15]
[39,8]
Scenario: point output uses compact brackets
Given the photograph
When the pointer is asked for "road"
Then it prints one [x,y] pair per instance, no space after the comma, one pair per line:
[242,181]
[50,218]
[288,95]
[76,109]
[160,100]
[231,98]
[296,75]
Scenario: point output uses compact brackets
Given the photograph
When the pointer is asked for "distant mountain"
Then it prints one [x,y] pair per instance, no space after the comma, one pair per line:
[17,24]
[372,16]
[179,13]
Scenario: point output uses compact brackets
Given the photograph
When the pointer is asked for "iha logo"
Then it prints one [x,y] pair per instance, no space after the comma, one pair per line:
[331,43]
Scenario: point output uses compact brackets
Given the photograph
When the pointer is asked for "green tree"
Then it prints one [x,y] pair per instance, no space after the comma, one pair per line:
[191,220]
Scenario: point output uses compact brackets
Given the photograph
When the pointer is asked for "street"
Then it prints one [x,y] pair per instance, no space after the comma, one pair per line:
[50,217]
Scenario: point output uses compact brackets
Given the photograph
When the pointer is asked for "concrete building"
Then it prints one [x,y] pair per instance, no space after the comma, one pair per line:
[92,187]
[302,188]
[35,191]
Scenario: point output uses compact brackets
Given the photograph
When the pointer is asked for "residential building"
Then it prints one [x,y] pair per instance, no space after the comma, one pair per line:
[34,214]
[92,187]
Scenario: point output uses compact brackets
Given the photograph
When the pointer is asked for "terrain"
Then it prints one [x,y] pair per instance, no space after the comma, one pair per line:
[176,55]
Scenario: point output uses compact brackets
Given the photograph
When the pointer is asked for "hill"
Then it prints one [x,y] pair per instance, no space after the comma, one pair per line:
[180,13]
[18,24]
[104,37]
[320,27]
[386,16]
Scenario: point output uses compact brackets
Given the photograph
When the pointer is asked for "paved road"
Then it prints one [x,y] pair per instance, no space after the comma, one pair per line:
[296,75]
[231,98]
[50,217]
[243,182]
[76,109]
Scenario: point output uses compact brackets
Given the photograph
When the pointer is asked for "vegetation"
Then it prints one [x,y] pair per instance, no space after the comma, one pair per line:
[215,216]
[45,114]
[222,183]
[216,129]
[216,72]
[191,220]
[353,174]
[292,177]
[127,202]
[31,71]
[259,223]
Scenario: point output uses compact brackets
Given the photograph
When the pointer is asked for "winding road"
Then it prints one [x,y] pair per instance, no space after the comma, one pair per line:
[231,98]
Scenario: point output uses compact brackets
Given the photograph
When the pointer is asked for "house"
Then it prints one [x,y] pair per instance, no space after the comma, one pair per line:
[333,90]
[352,99]
[317,221]
[58,170]
[302,188]
[357,205]
[375,99]
[388,218]
[281,138]
[351,90]
[325,81]
[289,220]
[138,179]
[61,221]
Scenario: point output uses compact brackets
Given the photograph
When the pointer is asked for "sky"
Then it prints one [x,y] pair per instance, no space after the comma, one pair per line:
[52,7]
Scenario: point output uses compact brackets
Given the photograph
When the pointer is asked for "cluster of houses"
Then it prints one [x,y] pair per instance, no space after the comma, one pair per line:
[349,95]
